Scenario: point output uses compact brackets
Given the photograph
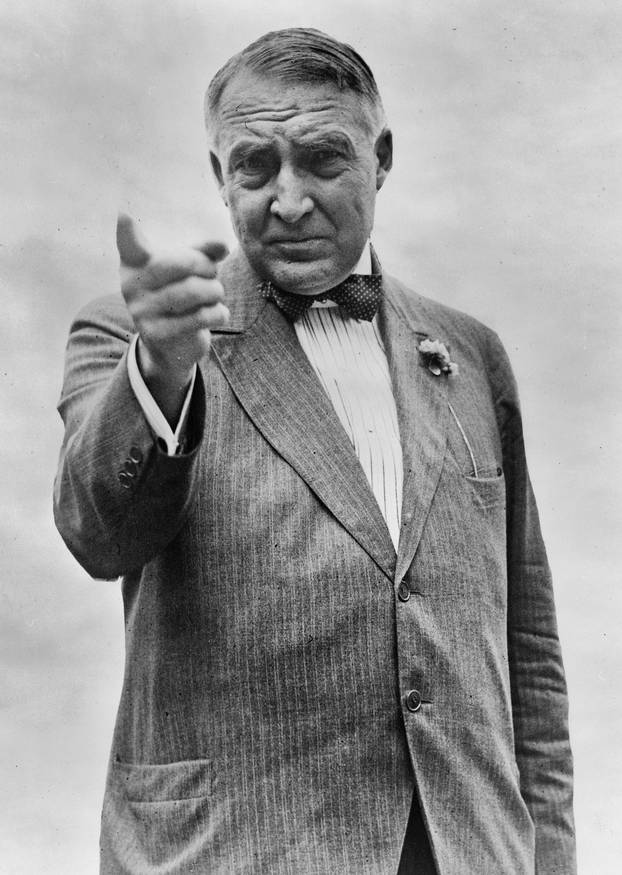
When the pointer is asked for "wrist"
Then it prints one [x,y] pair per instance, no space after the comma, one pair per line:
[166,380]
[162,370]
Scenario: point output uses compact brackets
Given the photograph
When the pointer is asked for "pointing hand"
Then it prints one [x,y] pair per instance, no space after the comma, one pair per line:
[175,301]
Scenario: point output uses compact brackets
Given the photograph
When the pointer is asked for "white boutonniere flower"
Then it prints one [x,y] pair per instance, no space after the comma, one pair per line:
[436,356]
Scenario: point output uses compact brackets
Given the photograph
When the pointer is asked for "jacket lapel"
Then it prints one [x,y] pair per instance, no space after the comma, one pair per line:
[272,379]
[422,409]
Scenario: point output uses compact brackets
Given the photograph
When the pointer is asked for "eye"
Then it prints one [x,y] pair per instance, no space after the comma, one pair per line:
[325,155]
[256,163]
[326,161]
[253,168]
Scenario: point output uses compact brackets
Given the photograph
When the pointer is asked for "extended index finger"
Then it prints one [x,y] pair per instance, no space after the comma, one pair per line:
[132,246]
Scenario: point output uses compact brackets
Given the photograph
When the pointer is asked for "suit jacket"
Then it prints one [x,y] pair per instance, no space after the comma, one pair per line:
[290,680]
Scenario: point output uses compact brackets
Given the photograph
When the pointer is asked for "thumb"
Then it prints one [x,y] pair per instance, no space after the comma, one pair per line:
[132,246]
[214,250]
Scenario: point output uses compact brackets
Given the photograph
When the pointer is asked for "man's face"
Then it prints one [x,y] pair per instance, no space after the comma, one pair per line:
[299,167]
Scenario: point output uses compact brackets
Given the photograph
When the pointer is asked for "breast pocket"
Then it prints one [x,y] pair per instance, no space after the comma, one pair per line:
[462,558]
[487,489]
[475,449]
[159,816]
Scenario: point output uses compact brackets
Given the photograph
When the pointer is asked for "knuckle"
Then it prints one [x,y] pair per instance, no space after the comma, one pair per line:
[204,266]
[217,290]
[202,292]
[204,318]
[223,314]
[214,315]
[195,287]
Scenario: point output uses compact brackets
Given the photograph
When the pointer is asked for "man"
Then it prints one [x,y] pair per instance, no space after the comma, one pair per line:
[341,642]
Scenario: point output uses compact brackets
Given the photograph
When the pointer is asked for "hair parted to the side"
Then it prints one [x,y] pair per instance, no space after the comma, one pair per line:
[295,55]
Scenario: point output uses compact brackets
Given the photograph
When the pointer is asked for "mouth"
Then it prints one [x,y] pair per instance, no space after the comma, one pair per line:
[300,249]
[294,241]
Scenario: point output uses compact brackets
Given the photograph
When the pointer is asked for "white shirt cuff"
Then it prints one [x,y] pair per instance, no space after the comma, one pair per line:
[153,414]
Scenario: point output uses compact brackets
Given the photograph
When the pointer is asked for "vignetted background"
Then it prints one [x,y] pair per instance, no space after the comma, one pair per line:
[504,201]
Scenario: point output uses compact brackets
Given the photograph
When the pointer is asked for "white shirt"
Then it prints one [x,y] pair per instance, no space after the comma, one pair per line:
[350,362]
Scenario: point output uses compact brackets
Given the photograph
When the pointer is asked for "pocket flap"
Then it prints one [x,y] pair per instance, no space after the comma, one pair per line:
[488,491]
[158,782]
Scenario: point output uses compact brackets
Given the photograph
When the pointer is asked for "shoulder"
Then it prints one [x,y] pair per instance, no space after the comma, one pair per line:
[99,336]
[427,314]
[472,343]
[106,314]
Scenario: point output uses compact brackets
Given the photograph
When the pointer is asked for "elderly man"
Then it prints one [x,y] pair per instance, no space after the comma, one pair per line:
[341,642]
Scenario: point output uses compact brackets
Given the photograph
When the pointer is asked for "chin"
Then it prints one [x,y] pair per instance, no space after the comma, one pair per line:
[307,278]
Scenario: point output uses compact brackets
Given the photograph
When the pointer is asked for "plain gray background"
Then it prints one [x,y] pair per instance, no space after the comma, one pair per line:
[504,201]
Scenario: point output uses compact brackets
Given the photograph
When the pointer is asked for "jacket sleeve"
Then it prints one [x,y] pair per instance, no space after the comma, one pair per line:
[539,695]
[119,498]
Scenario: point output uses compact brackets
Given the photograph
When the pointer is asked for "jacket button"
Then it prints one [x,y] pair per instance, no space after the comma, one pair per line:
[130,467]
[403,592]
[125,479]
[136,455]
[413,700]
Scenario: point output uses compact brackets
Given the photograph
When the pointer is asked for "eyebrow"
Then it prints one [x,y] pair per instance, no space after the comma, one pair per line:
[310,140]
[242,147]
[323,139]
[247,147]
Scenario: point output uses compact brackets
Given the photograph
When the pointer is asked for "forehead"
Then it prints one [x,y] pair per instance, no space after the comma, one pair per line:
[260,106]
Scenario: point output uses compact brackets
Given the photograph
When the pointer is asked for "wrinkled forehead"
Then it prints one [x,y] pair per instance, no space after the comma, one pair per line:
[267,105]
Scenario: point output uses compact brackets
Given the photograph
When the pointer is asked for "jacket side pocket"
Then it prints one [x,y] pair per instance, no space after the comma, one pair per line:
[158,817]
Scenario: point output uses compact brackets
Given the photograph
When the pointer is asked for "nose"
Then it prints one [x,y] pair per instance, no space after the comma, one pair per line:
[291,201]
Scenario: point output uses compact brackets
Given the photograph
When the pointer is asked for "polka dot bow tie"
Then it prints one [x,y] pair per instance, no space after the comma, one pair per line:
[359,295]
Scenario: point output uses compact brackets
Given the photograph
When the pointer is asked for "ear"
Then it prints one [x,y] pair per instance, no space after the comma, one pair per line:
[384,156]
[217,171]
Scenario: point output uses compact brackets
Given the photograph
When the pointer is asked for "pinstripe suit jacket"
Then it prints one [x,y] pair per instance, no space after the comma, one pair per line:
[264,723]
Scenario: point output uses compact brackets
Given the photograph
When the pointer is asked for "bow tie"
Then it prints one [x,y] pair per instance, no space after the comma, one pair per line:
[359,295]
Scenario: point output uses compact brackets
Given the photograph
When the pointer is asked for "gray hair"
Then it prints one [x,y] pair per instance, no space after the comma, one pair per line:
[295,55]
